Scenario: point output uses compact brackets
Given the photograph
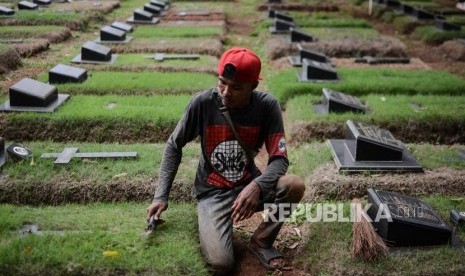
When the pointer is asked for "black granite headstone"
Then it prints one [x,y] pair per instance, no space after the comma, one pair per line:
[6,11]
[95,52]
[282,25]
[42,2]
[406,8]
[142,15]
[26,5]
[317,71]
[155,10]
[122,26]
[422,14]
[369,148]
[393,4]
[283,17]
[406,221]
[307,54]
[274,1]
[457,218]
[271,13]
[337,102]
[446,26]
[32,93]
[108,33]
[300,36]
[2,152]
[160,4]
[65,73]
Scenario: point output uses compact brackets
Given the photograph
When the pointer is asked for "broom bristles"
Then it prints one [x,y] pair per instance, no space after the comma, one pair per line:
[366,243]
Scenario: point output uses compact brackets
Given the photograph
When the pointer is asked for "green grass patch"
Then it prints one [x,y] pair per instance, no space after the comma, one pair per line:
[90,230]
[178,31]
[139,60]
[342,33]
[16,32]
[384,108]
[328,249]
[456,19]
[433,35]
[328,20]
[357,82]
[101,118]
[141,83]
[47,16]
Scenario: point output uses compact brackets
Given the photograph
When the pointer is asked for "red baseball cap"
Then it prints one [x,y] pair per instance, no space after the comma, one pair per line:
[246,63]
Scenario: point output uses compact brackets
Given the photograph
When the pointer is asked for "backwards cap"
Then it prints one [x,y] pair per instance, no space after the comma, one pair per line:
[247,64]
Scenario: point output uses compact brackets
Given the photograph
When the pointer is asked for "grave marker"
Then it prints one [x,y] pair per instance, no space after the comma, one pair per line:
[142,17]
[414,222]
[6,11]
[300,36]
[95,53]
[18,152]
[155,10]
[307,54]
[338,102]
[381,60]
[122,26]
[109,34]
[316,71]
[161,4]
[2,152]
[422,14]
[281,27]
[69,153]
[446,26]
[163,56]
[283,17]
[66,74]
[42,2]
[271,12]
[32,95]
[393,4]
[407,9]
[369,148]
[26,5]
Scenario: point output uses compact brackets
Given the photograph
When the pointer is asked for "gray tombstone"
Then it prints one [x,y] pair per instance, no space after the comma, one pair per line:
[338,102]
[300,36]
[393,4]
[29,92]
[6,11]
[155,10]
[369,148]
[422,14]
[307,54]
[406,221]
[143,17]
[317,71]
[407,9]
[66,74]
[2,152]
[282,25]
[95,52]
[18,152]
[26,5]
[108,33]
[122,26]
[42,2]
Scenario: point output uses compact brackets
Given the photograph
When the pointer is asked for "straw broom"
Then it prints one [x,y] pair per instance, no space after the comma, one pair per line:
[366,243]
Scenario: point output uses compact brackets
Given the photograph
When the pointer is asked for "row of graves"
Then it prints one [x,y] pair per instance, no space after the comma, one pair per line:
[409,222]
[438,15]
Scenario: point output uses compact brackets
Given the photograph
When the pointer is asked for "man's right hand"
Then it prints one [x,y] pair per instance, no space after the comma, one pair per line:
[155,209]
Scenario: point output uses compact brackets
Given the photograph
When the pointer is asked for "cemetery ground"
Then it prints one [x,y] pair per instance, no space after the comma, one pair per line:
[88,217]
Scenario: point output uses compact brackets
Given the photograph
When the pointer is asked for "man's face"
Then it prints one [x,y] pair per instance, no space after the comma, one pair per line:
[235,95]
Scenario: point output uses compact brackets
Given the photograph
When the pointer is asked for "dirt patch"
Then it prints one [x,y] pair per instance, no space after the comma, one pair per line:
[326,183]
[442,132]
[200,23]
[342,48]
[10,60]
[82,6]
[194,15]
[15,76]
[74,25]
[454,50]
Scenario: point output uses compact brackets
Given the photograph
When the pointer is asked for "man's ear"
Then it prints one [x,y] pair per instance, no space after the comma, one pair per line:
[254,85]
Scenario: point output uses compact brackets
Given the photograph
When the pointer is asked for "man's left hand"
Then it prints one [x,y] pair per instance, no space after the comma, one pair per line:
[246,202]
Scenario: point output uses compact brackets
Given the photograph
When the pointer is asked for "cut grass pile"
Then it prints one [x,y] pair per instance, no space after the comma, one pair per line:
[357,82]
[433,35]
[323,255]
[179,31]
[17,32]
[101,118]
[10,59]
[138,83]
[99,239]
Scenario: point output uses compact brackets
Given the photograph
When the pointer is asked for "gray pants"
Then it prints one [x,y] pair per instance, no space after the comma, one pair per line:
[215,223]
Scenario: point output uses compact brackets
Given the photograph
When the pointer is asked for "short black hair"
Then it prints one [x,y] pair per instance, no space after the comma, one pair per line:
[229,72]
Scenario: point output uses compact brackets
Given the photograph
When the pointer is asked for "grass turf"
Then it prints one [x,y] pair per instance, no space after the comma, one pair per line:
[161,32]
